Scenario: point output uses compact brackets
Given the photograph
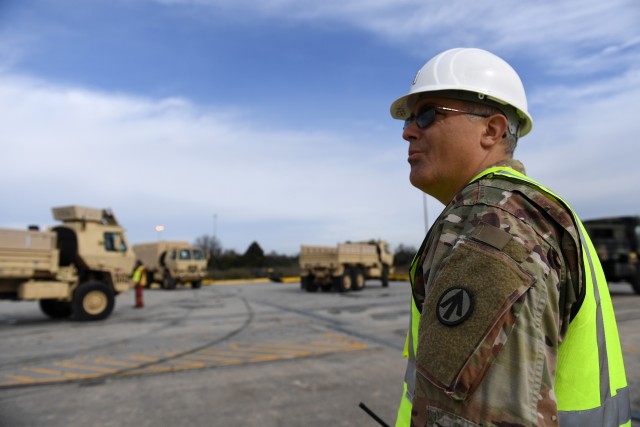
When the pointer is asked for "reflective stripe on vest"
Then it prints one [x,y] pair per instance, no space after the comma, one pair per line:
[590,386]
[404,411]
[412,335]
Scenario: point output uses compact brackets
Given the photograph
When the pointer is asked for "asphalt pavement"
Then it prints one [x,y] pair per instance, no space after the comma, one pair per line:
[252,354]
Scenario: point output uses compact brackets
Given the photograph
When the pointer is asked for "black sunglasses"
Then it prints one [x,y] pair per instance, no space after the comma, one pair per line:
[427,115]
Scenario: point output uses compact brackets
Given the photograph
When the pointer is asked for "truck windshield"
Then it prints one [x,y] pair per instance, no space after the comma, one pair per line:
[113,242]
[601,233]
[185,254]
[198,254]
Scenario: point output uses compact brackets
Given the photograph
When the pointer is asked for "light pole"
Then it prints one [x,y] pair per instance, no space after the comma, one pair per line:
[215,220]
[159,229]
[426,215]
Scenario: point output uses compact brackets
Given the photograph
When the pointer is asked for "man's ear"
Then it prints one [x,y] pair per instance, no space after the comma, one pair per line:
[495,130]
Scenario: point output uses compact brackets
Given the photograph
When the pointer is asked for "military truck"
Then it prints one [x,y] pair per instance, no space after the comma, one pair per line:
[344,267]
[172,263]
[73,269]
[617,242]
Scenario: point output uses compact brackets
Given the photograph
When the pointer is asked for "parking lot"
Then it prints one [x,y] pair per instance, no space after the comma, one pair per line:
[264,354]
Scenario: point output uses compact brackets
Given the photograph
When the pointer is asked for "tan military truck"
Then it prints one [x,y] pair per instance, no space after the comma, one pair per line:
[75,268]
[172,263]
[344,267]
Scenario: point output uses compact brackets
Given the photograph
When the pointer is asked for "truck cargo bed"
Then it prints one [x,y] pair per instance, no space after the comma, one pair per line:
[27,254]
[344,253]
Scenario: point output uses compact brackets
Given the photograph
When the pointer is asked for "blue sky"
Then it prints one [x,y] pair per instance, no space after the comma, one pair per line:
[269,120]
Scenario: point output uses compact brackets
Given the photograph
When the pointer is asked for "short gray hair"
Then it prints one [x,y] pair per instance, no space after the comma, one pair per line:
[509,138]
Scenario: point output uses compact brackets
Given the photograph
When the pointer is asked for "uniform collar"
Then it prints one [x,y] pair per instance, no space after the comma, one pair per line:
[515,165]
[509,163]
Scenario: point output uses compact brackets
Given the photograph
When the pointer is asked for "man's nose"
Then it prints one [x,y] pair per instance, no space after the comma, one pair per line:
[410,132]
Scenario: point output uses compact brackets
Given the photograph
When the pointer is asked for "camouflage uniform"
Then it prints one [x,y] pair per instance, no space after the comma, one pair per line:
[499,279]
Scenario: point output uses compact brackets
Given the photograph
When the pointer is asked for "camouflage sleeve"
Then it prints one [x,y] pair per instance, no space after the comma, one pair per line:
[489,328]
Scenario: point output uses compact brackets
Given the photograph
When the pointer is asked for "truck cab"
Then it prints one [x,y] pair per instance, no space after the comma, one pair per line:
[93,241]
[186,264]
[617,242]
[172,263]
[73,269]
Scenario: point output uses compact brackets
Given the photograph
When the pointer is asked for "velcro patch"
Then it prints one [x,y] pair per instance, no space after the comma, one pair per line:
[456,358]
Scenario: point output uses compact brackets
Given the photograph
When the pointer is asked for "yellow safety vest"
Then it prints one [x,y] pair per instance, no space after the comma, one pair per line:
[590,384]
[140,276]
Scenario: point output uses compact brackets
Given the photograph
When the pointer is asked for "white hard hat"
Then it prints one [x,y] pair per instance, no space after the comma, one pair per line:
[475,75]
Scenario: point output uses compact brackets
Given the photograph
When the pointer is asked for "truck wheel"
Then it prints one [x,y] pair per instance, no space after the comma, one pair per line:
[305,280]
[358,279]
[93,301]
[308,283]
[168,282]
[196,284]
[385,276]
[635,282]
[149,280]
[55,309]
[343,283]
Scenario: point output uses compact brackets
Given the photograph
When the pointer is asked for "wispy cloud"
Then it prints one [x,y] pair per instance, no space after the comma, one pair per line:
[559,31]
[13,46]
[173,161]
[586,146]
[175,157]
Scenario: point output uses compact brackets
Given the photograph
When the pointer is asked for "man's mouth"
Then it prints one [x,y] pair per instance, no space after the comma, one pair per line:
[413,155]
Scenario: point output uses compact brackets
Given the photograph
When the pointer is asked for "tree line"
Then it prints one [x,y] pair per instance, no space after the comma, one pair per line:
[255,262]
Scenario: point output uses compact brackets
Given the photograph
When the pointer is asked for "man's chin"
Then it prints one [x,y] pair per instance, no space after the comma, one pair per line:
[418,180]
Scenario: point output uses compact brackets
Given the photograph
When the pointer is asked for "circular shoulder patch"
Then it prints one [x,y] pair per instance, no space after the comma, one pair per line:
[454,306]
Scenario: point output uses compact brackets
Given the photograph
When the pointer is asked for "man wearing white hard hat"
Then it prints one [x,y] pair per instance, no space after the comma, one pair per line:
[512,321]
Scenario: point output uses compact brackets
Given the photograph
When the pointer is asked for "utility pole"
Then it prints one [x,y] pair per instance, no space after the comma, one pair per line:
[426,214]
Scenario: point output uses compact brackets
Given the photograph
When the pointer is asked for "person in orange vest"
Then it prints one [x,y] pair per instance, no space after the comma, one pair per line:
[140,279]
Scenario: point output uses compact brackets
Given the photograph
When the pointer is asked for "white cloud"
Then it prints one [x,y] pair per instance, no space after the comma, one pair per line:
[13,46]
[586,145]
[172,161]
[565,34]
